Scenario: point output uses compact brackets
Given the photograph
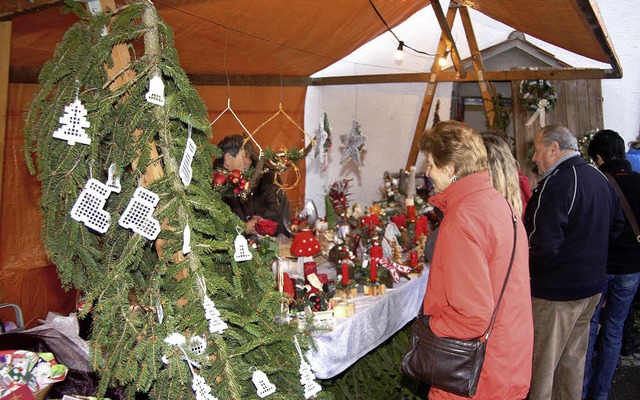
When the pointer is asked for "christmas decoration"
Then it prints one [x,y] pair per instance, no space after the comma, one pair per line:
[307,378]
[74,121]
[583,145]
[89,208]
[353,143]
[232,183]
[137,215]
[155,94]
[538,95]
[186,240]
[323,141]
[263,387]
[113,181]
[242,252]
[338,195]
[186,172]
[127,277]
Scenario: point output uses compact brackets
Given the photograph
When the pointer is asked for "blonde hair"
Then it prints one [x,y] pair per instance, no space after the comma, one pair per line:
[453,142]
[503,169]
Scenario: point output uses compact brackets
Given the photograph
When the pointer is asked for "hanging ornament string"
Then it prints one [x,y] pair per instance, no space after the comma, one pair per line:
[280,165]
[198,384]
[307,377]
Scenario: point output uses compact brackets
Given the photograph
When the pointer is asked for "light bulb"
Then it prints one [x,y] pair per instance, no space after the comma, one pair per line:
[398,55]
[442,61]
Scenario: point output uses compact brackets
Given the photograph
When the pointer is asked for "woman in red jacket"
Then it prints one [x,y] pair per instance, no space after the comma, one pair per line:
[470,263]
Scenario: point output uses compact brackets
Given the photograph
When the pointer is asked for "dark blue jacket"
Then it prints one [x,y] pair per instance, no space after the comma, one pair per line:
[571,217]
[624,252]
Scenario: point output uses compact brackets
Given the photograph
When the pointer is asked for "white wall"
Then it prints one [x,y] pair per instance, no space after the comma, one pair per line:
[388,113]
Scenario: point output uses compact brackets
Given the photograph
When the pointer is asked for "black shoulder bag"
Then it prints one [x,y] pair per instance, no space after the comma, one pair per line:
[450,364]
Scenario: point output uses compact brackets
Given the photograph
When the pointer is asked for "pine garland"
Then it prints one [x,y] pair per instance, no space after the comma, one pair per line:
[122,273]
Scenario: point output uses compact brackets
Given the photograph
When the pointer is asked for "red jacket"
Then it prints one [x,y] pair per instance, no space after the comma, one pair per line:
[469,265]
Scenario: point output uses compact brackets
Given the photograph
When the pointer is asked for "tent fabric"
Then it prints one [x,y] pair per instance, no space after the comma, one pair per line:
[559,22]
[299,38]
[27,277]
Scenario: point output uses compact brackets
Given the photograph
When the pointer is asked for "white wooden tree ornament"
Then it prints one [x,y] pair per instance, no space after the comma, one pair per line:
[185,171]
[211,313]
[155,94]
[89,207]
[113,181]
[307,377]
[74,121]
[137,215]
[242,252]
[263,387]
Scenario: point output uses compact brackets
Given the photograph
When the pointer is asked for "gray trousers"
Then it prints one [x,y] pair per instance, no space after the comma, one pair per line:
[560,340]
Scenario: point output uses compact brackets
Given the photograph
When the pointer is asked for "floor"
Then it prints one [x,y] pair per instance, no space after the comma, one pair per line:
[626,381]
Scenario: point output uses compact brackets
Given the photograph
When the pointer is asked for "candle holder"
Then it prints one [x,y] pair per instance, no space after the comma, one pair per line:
[374,288]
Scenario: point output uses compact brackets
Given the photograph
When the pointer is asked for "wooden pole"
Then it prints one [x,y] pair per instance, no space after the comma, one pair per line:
[431,89]
[486,88]
[5,55]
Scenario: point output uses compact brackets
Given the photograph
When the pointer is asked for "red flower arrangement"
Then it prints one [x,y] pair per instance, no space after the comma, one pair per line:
[266,227]
[338,193]
[231,183]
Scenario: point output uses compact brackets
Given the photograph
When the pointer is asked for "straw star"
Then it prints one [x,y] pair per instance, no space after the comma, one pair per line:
[353,144]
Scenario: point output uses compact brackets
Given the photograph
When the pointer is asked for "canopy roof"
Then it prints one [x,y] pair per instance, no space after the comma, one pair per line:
[279,38]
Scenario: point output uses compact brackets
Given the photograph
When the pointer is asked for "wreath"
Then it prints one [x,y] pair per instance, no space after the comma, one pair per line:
[538,93]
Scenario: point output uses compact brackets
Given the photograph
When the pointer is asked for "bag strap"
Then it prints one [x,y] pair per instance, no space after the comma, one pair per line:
[625,205]
[504,285]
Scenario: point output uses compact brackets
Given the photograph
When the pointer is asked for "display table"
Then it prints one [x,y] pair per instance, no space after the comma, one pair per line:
[377,318]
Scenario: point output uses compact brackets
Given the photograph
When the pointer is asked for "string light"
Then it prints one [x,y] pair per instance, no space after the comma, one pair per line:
[442,61]
[398,55]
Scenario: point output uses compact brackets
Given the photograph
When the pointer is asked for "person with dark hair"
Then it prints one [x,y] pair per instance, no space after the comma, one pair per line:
[606,149]
[573,214]
[266,200]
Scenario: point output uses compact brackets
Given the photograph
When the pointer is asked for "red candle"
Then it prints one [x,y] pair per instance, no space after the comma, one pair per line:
[413,259]
[345,274]
[411,213]
[373,272]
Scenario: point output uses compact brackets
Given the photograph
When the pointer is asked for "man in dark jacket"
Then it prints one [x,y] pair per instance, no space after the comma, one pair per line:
[606,149]
[571,217]
[266,200]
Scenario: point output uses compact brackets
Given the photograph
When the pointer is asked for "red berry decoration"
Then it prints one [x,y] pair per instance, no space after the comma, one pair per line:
[219,179]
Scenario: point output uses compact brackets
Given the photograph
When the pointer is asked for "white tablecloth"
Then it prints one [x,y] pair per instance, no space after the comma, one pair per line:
[377,318]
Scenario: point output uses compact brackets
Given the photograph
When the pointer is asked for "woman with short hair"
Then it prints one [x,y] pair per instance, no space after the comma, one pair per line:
[471,260]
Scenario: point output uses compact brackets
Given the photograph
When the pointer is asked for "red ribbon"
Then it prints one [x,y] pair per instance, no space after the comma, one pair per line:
[395,269]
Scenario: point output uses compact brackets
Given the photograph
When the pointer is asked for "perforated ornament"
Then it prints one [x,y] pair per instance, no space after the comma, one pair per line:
[155,94]
[89,207]
[262,384]
[74,121]
[137,215]
[242,249]
[113,181]
[185,171]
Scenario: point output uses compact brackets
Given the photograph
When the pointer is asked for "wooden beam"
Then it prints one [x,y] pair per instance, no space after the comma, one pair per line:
[5,52]
[593,18]
[30,75]
[446,25]
[471,76]
[10,9]
[249,80]
[487,90]
[430,92]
